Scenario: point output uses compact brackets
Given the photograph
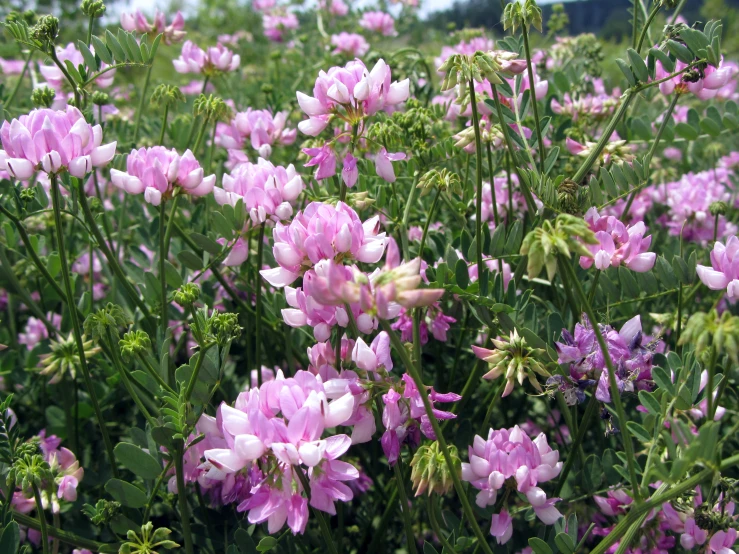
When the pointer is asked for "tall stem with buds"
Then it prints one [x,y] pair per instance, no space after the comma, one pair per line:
[478,200]
[532,89]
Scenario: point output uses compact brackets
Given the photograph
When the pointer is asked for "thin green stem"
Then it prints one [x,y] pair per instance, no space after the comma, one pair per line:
[194,377]
[581,430]
[164,305]
[209,161]
[411,368]
[76,327]
[182,498]
[90,25]
[493,403]
[258,306]
[18,83]
[431,506]
[384,521]
[154,373]
[406,219]
[142,104]
[634,24]
[647,24]
[41,518]
[65,536]
[155,490]
[532,88]
[201,134]
[496,216]
[478,197]
[428,221]
[565,266]
[70,80]
[404,508]
[164,125]
[325,531]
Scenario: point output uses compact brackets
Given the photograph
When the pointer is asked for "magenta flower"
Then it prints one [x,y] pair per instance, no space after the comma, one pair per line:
[325,160]
[52,141]
[323,232]
[724,270]
[384,166]
[379,22]
[374,356]
[215,59]
[36,331]
[268,191]
[351,44]
[156,172]
[510,458]
[262,128]
[618,244]
[349,171]
[277,24]
[705,88]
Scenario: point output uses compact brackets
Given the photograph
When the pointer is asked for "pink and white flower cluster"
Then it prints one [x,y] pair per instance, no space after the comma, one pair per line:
[267,191]
[618,244]
[157,172]
[36,331]
[378,22]
[52,141]
[705,87]
[137,22]
[508,457]
[213,59]
[261,128]
[350,44]
[56,79]
[724,271]
[278,23]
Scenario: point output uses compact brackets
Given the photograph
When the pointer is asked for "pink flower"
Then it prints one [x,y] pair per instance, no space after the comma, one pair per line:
[351,44]
[325,160]
[705,87]
[261,127]
[724,270]
[501,527]
[137,22]
[618,244]
[214,59]
[36,331]
[55,78]
[349,173]
[384,166]
[156,171]
[322,232]
[11,67]
[276,24]
[510,458]
[267,191]
[379,22]
[52,141]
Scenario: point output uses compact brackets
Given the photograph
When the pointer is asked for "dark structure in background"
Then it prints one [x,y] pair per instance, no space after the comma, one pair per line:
[604,17]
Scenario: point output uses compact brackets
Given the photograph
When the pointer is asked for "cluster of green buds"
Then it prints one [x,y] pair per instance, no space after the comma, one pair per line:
[102,512]
[27,17]
[64,358]
[558,20]
[211,107]
[430,471]
[134,343]
[709,330]
[167,96]
[223,327]
[615,152]
[44,32]
[490,133]
[29,470]
[566,235]
[100,98]
[718,208]
[568,197]
[187,294]
[514,359]
[360,200]
[148,541]
[43,97]
[93,8]
[386,132]
[108,319]
[519,14]
[440,179]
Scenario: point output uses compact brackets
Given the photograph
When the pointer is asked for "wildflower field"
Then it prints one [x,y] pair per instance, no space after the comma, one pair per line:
[303,279]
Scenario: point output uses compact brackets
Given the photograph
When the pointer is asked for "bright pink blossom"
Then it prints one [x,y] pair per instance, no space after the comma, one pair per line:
[379,22]
[213,59]
[618,244]
[351,44]
[724,270]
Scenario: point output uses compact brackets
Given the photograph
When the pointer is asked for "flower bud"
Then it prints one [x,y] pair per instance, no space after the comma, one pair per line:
[430,471]
[93,8]
[718,208]
[167,95]
[43,97]
[100,98]
[28,195]
[134,342]
[224,327]
[45,31]
[187,294]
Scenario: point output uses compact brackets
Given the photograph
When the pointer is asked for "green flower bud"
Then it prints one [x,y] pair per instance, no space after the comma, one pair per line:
[134,342]
[103,512]
[444,180]
[514,359]
[267,88]
[100,98]
[212,107]
[224,327]
[148,541]
[45,31]
[718,208]
[64,357]
[93,8]
[167,95]
[706,331]
[187,294]
[29,471]
[568,194]
[430,471]
[28,195]
[43,97]
[98,324]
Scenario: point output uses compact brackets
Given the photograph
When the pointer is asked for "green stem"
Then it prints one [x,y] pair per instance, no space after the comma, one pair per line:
[489,411]
[634,24]
[532,88]
[182,499]
[155,490]
[142,104]
[316,513]
[194,377]
[154,373]
[406,219]
[431,500]
[41,518]
[17,86]
[76,327]
[89,30]
[209,162]
[65,536]
[630,534]
[201,134]
[647,24]
[164,125]
[615,394]
[384,521]
[581,430]
[411,368]
[496,217]
[478,198]
[428,221]
[163,311]
[114,354]
[404,508]
[258,323]
[63,69]
[594,286]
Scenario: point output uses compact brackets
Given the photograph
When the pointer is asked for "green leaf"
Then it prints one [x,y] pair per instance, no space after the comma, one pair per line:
[126,493]
[133,47]
[497,242]
[618,176]
[266,544]
[626,70]
[429,549]
[10,539]
[154,47]
[245,542]
[592,473]
[207,244]
[649,402]
[637,65]
[686,131]
[638,431]
[190,260]
[115,47]
[595,193]
[88,56]
[101,51]
[709,126]
[609,462]
[664,272]
[608,182]
[462,274]
[137,461]
[172,275]
[695,39]
[663,380]
[680,51]
[681,270]
[551,159]
[640,129]
[73,72]
[221,225]
[539,546]
[514,238]
[628,283]
[561,81]
[565,543]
